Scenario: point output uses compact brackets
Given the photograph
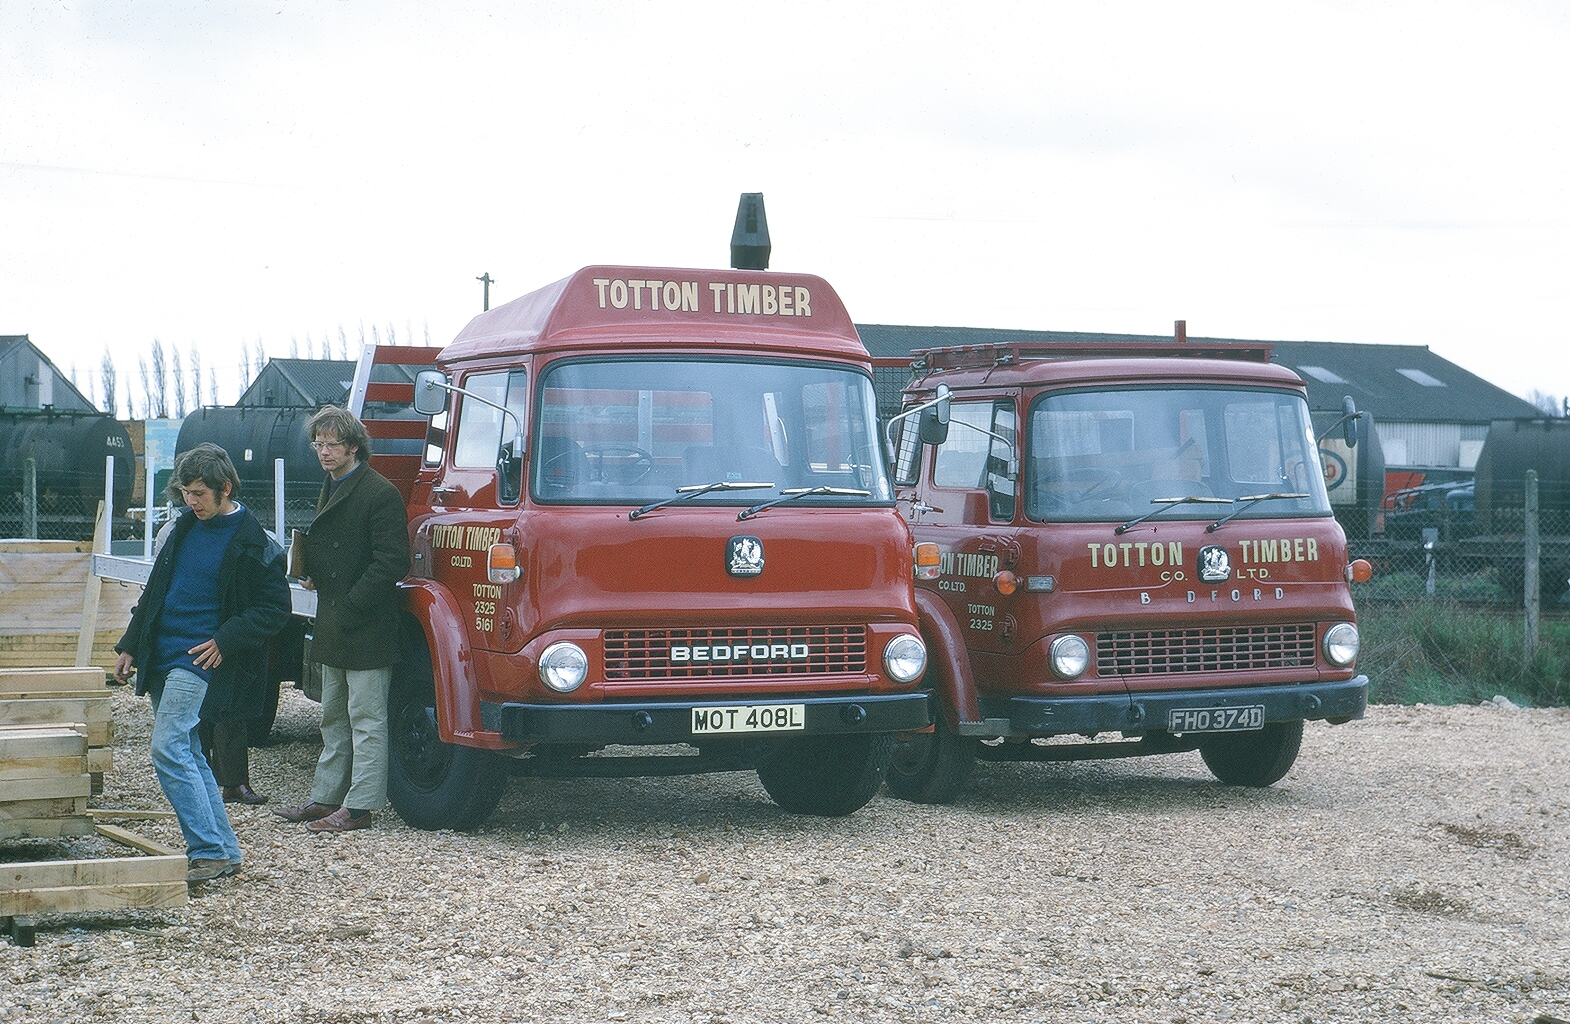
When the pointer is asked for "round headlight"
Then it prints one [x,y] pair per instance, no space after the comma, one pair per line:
[564,666]
[1341,643]
[1070,656]
[905,658]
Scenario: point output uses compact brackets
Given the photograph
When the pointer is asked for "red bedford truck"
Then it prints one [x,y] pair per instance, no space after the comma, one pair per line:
[652,510]
[1129,541]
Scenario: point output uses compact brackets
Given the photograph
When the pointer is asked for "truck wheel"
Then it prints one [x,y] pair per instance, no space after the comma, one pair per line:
[1253,758]
[431,784]
[932,768]
[830,776]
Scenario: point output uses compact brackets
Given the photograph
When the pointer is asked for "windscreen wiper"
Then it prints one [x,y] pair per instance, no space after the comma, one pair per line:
[792,493]
[1251,500]
[1166,503]
[694,490]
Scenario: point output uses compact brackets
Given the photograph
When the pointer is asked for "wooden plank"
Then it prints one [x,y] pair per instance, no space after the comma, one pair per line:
[45,828]
[53,807]
[18,743]
[94,899]
[44,547]
[17,790]
[70,874]
[103,813]
[51,679]
[38,650]
[100,760]
[88,628]
[128,838]
[55,710]
[32,769]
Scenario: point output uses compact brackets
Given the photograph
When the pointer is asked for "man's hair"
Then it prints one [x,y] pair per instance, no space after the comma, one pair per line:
[341,424]
[208,463]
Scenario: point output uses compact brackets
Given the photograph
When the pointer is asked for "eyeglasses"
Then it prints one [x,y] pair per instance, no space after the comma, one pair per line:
[323,446]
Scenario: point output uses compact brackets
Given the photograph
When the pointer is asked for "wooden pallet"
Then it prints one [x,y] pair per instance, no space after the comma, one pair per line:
[91,886]
[44,781]
[38,697]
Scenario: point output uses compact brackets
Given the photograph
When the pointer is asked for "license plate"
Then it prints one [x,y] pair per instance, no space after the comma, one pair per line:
[749,718]
[1242,719]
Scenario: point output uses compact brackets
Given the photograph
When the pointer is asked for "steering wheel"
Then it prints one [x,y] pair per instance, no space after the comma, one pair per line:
[1097,478]
[633,464]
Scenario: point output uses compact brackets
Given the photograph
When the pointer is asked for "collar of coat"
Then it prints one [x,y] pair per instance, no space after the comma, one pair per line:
[347,484]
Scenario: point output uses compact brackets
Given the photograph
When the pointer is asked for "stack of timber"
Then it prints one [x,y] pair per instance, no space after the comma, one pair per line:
[56,728]
[42,606]
[61,696]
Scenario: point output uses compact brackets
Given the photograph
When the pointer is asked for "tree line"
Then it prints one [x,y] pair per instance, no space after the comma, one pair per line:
[169,383]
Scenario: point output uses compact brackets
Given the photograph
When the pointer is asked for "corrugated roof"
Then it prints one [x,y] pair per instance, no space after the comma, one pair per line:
[312,383]
[1371,374]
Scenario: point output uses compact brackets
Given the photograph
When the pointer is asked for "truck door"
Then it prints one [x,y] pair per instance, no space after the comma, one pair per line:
[475,500]
[972,504]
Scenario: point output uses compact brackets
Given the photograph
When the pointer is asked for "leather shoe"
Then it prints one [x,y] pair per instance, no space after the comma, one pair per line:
[202,869]
[305,812]
[242,794]
[341,821]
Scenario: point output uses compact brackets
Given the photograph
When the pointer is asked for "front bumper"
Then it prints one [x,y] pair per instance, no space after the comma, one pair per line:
[1150,711]
[671,721]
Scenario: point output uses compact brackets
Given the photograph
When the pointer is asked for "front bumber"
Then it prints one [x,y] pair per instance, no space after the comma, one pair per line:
[1150,711]
[662,722]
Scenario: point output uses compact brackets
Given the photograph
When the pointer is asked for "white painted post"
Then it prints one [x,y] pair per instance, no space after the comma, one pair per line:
[147,521]
[278,508]
[1531,568]
[108,505]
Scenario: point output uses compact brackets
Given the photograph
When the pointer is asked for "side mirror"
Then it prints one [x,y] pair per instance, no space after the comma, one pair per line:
[430,392]
[933,426]
[1349,412]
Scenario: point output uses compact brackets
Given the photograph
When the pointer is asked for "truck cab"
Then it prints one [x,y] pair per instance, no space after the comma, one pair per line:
[1120,553]
[653,533]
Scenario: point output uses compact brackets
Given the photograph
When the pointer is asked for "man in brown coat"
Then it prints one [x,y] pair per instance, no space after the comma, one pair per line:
[356,551]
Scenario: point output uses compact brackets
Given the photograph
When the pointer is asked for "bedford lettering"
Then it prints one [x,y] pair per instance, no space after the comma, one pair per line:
[687,654]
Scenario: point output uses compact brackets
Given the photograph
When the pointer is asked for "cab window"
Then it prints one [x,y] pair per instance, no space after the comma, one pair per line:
[971,459]
[485,434]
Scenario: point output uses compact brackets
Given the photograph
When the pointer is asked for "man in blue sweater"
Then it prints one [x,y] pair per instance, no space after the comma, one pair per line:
[198,640]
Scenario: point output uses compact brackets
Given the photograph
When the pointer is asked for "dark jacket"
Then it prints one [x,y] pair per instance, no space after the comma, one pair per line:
[253,605]
[356,551]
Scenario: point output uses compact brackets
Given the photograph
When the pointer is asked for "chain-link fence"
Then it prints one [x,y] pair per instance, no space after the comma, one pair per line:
[1469,557]
[56,517]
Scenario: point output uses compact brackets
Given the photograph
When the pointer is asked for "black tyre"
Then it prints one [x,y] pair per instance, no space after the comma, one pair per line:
[1253,758]
[932,768]
[829,776]
[431,784]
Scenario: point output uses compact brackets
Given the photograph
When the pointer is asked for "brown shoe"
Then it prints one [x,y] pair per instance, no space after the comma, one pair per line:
[242,794]
[203,870]
[305,812]
[341,821]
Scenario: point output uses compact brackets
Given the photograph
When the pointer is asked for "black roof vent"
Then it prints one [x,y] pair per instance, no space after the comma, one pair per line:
[749,242]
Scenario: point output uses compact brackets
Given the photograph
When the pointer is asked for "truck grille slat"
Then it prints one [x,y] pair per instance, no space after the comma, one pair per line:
[1212,649]
[641,654]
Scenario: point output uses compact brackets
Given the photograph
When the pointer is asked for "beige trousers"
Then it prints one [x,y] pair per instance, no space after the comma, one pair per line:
[352,771]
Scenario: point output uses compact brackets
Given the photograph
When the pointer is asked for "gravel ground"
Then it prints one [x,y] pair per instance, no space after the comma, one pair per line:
[1413,866]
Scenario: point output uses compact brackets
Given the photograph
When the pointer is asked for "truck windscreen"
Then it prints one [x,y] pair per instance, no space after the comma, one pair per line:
[632,431]
[1111,455]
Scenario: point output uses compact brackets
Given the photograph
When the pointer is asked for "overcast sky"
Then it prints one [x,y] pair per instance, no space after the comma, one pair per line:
[211,173]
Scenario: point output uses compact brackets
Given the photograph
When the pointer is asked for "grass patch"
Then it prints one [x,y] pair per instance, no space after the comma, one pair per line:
[1439,653]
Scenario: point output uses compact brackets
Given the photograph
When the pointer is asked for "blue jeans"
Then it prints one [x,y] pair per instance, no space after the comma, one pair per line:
[183,773]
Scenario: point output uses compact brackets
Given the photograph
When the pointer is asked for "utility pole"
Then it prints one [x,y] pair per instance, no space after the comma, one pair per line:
[486,279]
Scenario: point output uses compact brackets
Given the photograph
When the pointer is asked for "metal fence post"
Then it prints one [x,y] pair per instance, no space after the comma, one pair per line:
[30,498]
[1532,552]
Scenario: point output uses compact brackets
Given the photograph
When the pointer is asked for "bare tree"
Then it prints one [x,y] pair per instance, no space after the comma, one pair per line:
[343,343]
[1553,405]
[260,358]
[212,385]
[107,377]
[196,378]
[376,336]
[159,371]
[392,337]
[147,389]
[427,334]
[245,364]
[177,380]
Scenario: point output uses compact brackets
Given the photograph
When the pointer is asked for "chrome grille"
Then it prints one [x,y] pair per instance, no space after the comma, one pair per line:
[1214,649]
[645,653]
